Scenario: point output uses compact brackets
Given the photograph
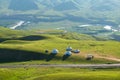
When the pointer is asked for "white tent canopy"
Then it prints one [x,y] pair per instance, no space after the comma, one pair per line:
[68,53]
[55,51]
[76,51]
[69,48]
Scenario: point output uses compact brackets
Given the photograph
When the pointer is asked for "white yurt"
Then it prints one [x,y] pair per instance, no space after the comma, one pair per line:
[76,51]
[68,53]
[69,48]
[55,51]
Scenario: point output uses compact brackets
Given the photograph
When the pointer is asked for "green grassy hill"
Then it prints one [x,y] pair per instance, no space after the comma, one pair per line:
[31,48]
[7,34]
[59,74]
[28,48]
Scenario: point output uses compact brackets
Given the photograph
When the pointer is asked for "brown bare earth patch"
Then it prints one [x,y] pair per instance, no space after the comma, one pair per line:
[109,58]
[112,58]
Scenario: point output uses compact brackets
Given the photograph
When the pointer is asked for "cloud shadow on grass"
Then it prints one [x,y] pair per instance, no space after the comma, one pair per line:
[65,57]
[50,57]
[10,55]
[2,40]
[32,38]
[25,38]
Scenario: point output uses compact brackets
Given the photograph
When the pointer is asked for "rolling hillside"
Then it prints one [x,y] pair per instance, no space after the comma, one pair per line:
[28,48]
[34,29]
[31,48]
[59,73]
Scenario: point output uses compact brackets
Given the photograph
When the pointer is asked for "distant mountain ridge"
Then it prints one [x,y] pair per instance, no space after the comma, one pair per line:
[23,5]
[63,14]
[97,10]
[100,5]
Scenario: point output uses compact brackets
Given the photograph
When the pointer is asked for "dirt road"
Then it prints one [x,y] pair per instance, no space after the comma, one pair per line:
[63,66]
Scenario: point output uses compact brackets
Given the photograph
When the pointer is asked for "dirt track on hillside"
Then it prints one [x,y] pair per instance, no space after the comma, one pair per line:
[62,66]
[109,58]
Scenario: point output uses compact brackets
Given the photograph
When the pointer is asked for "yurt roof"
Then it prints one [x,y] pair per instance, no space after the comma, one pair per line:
[55,51]
[68,52]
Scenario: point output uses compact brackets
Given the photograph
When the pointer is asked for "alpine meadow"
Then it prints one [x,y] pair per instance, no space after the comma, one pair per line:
[59,40]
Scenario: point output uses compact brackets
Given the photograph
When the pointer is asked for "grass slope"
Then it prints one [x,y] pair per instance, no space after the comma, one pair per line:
[78,76]
[59,74]
[31,48]
[7,33]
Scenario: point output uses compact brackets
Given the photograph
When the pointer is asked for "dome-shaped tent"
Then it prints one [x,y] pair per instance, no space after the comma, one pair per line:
[68,53]
[76,51]
[55,51]
[69,48]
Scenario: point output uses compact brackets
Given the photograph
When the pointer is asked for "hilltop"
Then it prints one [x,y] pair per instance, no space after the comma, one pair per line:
[31,48]
[27,49]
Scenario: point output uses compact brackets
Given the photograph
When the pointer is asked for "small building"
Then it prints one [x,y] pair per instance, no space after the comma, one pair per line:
[69,48]
[68,53]
[89,57]
[55,51]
